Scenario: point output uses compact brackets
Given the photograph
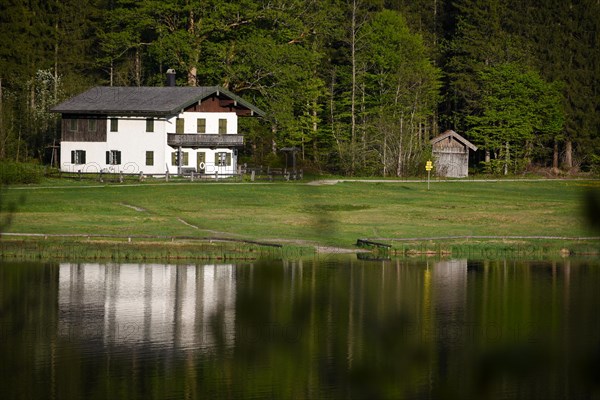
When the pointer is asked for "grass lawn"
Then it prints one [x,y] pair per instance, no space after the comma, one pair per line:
[334,215]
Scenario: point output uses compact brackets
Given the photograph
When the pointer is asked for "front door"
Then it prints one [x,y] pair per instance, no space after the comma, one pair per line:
[201,162]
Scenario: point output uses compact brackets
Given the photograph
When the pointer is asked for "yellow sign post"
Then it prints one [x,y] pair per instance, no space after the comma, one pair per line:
[428,168]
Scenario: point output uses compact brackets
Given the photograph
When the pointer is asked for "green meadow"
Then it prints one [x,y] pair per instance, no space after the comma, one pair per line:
[299,214]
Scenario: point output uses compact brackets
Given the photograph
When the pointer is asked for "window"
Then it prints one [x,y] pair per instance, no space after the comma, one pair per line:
[78,157]
[201,125]
[179,125]
[149,158]
[91,125]
[73,124]
[175,160]
[149,124]
[222,126]
[223,159]
[114,125]
[113,157]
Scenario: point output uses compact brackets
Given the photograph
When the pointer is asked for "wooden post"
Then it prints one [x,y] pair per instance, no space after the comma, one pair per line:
[252,175]
[167,176]
[192,176]
[79,174]
[120,176]
[179,160]
[217,175]
[101,179]
[141,176]
[428,176]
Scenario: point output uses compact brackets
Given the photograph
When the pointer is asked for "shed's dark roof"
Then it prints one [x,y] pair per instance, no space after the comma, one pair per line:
[119,100]
[451,133]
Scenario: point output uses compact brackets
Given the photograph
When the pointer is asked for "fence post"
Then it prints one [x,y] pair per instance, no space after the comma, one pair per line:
[252,175]
[141,176]
[101,179]
[167,176]
[216,175]
[192,176]
[120,176]
[79,174]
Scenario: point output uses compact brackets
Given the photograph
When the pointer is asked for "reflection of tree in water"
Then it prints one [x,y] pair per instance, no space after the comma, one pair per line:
[8,210]
[591,205]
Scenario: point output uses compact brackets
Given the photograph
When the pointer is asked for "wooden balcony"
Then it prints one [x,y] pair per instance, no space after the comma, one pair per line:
[204,140]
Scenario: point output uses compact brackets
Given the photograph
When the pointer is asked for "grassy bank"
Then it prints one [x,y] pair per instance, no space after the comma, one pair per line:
[305,215]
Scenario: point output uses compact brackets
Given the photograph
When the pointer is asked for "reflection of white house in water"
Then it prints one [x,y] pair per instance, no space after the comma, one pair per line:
[172,305]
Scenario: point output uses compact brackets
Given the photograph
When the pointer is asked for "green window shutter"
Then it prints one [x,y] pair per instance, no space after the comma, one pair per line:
[108,157]
[114,125]
[228,159]
[216,159]
[201,125]
[118,154]
[72,156]
[179,125]
[174,158]
[222,126]
[185,158]
[82,157]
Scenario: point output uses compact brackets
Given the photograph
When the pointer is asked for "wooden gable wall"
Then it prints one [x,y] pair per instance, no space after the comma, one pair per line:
[82,132]
[219,104]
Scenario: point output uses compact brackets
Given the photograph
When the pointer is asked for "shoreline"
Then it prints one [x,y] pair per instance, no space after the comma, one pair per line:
[113,248]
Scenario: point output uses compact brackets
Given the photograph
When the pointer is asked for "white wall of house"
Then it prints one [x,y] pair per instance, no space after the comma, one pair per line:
[133,142]
[212,122]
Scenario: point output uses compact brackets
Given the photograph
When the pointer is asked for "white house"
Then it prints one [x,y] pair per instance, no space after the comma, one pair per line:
[152,130]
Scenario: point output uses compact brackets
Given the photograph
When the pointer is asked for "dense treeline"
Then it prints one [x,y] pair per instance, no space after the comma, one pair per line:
[359,85]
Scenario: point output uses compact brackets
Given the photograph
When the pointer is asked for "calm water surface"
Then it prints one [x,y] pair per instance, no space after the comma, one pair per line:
[320,328]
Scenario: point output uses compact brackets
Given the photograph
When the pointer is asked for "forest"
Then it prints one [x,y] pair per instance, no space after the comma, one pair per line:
[360,86]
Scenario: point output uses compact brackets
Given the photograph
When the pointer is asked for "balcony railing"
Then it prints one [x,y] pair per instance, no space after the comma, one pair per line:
[204,140]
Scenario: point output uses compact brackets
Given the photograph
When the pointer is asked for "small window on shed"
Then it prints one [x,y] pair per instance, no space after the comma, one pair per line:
[91,125]
[73,124]
[114,125]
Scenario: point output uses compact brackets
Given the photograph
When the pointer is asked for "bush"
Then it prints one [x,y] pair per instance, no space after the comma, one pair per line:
[14,172]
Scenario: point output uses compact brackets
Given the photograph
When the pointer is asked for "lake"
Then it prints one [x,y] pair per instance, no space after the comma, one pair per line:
[323,327]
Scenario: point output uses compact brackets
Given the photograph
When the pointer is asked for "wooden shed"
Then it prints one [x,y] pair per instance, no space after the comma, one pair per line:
[451,154]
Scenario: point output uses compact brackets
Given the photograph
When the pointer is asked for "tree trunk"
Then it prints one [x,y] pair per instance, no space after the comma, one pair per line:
[506,159]
[315,129]
[192,80]
[384,154]
[399,165]
[138,68]
[568,154]
[555,156]
[2,131]
[112,72]
[353,89]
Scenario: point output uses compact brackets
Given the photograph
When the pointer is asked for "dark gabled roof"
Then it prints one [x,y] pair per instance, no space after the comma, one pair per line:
[451,133]
[119,100]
